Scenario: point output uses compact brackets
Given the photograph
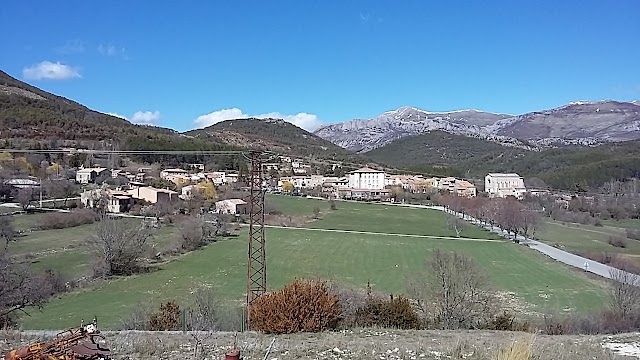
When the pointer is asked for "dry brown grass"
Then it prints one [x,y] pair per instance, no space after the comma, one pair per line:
[521,349]
[353,345]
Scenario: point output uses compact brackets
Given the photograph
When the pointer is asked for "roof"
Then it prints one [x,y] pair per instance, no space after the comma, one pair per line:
[175,170]
[122,197]
[464,183]
[167,191]
[89,170]
[503,175]
[367,170]
[233,201]
[21,182]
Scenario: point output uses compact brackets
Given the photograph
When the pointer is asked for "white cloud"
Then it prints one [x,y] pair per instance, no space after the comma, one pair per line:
[309,122]
[218,116]
[49,70]
[145,117]
[112,50]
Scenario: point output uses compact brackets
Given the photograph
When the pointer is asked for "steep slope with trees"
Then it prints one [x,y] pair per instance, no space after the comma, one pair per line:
[275,135]
[442,148]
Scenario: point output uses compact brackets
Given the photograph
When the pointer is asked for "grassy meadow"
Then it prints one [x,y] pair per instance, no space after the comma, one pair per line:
[534,283]
[579,238]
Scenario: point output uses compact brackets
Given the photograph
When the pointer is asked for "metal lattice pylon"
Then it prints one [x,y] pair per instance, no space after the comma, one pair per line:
[257,266]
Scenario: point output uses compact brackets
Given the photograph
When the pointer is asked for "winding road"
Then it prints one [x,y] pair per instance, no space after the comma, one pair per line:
[565,257]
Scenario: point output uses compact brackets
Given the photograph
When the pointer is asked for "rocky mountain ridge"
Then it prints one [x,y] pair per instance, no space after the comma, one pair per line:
[579,123]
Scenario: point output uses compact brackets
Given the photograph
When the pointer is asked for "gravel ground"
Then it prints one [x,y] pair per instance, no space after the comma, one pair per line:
[360,344]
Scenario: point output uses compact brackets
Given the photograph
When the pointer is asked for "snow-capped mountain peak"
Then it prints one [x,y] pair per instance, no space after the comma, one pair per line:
[579,122]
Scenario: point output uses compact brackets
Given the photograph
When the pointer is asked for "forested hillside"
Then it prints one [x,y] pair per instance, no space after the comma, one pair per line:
[274,135]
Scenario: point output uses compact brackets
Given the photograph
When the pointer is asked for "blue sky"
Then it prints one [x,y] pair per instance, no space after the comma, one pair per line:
[185,64]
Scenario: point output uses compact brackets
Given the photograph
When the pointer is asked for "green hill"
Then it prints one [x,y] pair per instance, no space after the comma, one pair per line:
[442,148]
[275,135]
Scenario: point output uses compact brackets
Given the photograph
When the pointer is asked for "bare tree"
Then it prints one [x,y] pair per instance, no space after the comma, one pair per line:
[530,221]
[53,188]
[119,247]
[203,315]
[24,196]
[7,231]
[459,290]
[19,288]
[195,233]
[625,292]
[455,223]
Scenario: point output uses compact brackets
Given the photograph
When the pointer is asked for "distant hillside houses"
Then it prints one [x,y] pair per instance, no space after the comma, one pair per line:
[372,184]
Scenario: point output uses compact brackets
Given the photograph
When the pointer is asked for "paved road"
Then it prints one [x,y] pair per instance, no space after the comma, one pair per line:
[553,252]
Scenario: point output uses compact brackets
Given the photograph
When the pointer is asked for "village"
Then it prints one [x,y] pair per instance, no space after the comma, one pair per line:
[119,189]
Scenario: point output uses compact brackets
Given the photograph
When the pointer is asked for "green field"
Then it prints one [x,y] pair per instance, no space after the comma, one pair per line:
[540,284]
[65,250]
[587,238]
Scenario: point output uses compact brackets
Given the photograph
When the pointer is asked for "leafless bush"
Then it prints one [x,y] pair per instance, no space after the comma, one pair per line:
[137,318]
[119,247]
[316,212]
[203,313]
[7,231]
[60,220]
[633,234]
[625,292]
[617,241]
[350,300]
[458,289]
[20,288]
[195,233]
[455,223]
[332,205]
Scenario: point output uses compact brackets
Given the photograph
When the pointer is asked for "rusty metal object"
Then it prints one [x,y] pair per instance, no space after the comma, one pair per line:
[78,343]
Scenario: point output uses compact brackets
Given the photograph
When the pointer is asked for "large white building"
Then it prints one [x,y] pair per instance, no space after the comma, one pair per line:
[503,185]
[367,179]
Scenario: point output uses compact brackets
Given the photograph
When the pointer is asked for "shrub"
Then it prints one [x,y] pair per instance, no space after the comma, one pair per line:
[316,212]
[195,233]
[617,241]
[351,300]
[167,319]
[505,322]
[302,305]
[333,205]
[397,313]
[633,234]
[203,314]
[60,220]
[138,318]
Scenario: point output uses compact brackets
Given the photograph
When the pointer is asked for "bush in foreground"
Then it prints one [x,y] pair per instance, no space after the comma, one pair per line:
[395,312]
[301,306]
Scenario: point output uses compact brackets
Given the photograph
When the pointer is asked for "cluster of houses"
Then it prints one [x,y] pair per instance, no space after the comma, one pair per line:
[367,183]
[122,199]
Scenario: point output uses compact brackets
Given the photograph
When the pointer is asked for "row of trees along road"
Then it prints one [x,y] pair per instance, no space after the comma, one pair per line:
[509,214]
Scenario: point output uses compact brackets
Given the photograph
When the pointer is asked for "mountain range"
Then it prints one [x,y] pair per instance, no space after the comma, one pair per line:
[578,123]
